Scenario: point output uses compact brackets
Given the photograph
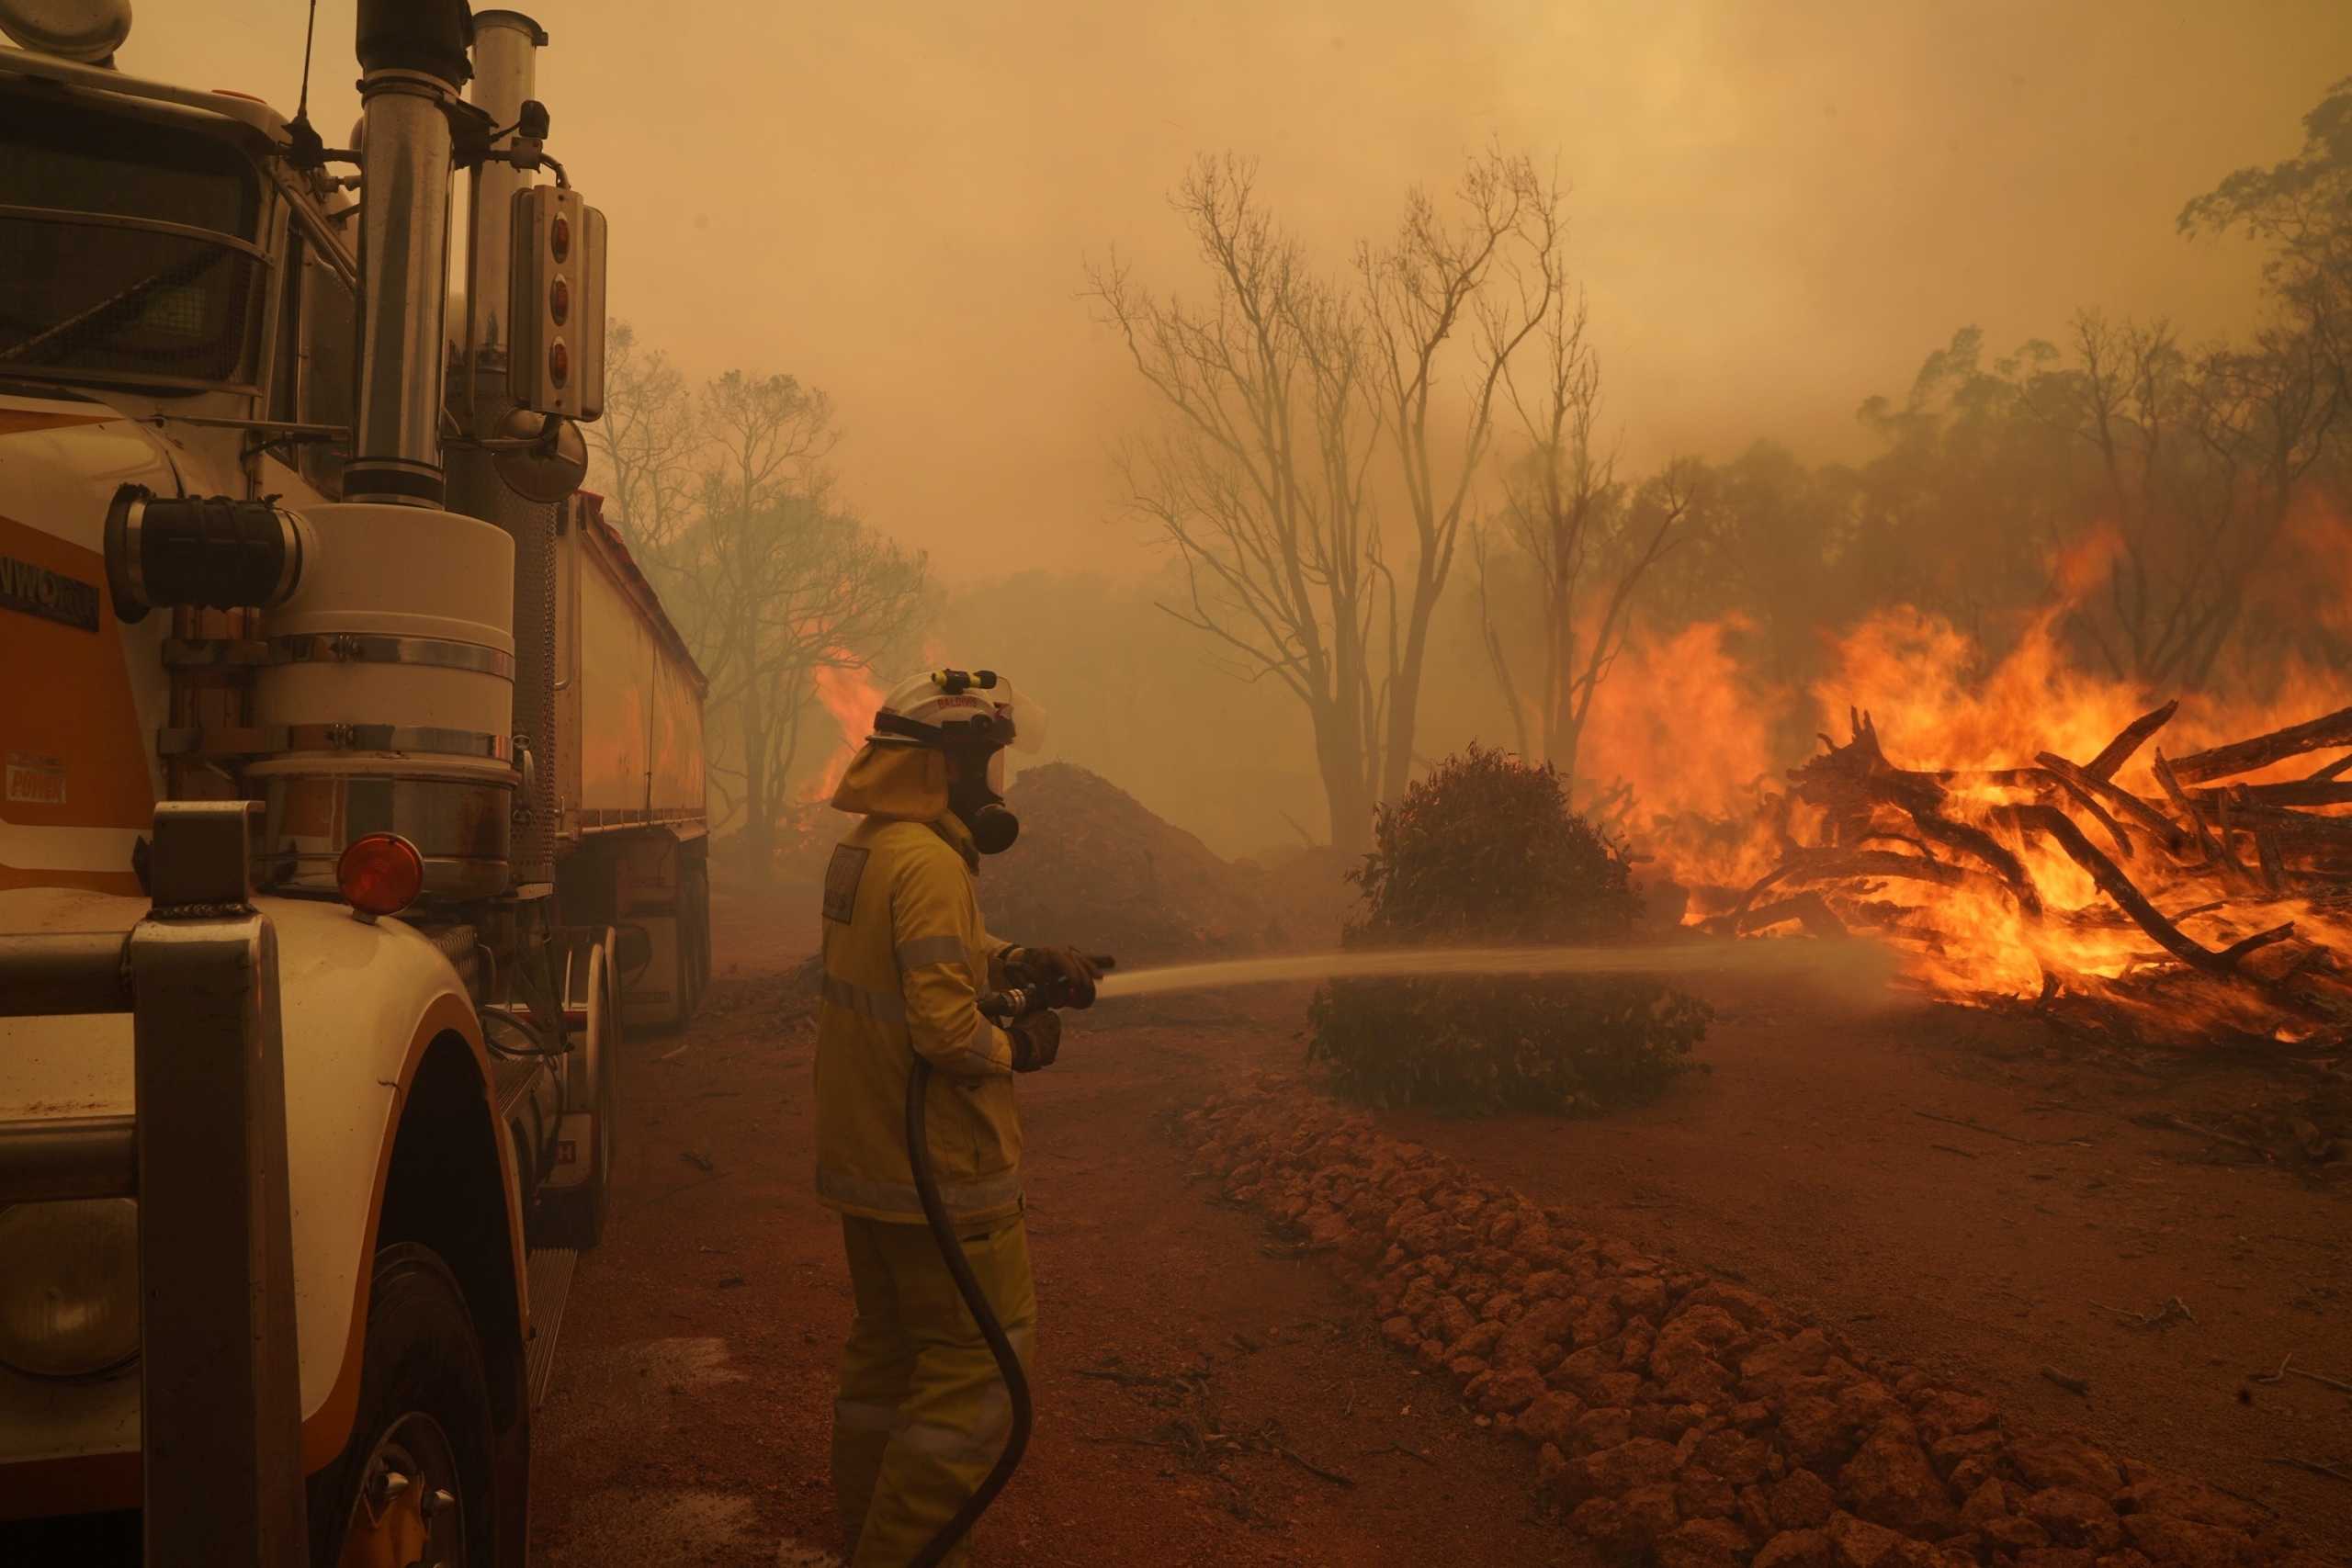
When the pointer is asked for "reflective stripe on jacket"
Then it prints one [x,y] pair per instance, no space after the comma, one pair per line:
[905,959]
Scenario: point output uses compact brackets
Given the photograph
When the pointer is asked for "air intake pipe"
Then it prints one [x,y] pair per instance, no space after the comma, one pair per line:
[206,552]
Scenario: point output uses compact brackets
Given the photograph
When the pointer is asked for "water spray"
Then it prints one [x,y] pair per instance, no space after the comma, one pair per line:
[1860,964]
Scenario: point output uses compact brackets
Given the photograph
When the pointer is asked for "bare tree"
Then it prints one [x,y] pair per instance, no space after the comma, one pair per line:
[1442,294]
[1259,481]
[647,443]
[835,596]
[1586,541]
[1284,389]
[2200,457]
[728,500]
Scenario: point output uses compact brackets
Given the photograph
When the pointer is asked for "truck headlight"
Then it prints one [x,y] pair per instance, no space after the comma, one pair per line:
[69,1287]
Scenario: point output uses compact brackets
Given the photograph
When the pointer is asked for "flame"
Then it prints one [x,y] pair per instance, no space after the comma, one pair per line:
[848,693]
[1678,719]
[1935,705]
[1681,722]
[1982,903]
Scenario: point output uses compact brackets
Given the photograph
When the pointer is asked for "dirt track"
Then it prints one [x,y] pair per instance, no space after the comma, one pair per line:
[689,1417]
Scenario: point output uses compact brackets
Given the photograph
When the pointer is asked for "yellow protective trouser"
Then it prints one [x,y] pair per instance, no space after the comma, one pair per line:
[922,1413]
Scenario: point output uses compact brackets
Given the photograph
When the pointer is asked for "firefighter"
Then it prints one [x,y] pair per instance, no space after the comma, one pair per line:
[923,1411]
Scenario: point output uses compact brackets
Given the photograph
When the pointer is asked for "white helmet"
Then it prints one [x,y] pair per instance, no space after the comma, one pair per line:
[956,707]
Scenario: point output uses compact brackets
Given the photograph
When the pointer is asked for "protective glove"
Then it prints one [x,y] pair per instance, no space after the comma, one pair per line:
[1037,1041]
[1067,974]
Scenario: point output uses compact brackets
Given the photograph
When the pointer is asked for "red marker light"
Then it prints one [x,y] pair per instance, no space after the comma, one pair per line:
[559,238]
[380,874]
[560,302]
[559,363]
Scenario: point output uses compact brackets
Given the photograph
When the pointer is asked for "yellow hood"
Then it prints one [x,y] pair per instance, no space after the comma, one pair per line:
[906,784]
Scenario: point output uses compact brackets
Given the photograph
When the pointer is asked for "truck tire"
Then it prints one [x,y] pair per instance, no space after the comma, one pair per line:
[423,1418]
[574,1216]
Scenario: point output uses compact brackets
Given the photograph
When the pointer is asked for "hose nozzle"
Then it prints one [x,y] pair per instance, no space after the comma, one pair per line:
[1006,1007]
[1034,993]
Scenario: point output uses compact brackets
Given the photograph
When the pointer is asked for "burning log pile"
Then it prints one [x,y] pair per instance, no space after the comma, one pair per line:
[2196,899]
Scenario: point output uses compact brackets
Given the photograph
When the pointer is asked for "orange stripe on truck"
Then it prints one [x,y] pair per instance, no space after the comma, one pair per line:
[72,752]
[24,422]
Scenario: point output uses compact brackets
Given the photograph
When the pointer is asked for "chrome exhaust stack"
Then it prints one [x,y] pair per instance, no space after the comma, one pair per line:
[507,49]
[507,46]
[414,57]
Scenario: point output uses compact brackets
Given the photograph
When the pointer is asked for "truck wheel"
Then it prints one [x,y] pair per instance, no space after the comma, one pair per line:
[413,1484]
[574,1216]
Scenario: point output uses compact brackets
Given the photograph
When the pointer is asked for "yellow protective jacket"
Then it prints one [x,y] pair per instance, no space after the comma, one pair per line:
[905,956]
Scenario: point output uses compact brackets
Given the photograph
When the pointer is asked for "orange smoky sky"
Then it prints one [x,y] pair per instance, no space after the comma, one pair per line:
[1777,210]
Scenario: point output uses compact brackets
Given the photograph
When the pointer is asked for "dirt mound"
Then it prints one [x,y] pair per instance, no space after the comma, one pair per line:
[1095,868]
[1307,892]
[1682,1420]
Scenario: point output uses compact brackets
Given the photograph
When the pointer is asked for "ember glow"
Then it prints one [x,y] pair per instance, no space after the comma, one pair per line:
[2025,829]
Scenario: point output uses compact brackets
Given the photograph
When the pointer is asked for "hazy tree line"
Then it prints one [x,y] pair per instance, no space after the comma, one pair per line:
[1340,431]
[1395,517]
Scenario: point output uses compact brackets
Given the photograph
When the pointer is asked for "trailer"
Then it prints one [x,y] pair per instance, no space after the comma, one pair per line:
[635,827]
[351,800]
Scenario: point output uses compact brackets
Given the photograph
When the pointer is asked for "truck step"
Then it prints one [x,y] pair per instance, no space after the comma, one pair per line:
[548,1279]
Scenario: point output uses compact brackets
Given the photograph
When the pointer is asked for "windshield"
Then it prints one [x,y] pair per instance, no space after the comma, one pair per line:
[125,248]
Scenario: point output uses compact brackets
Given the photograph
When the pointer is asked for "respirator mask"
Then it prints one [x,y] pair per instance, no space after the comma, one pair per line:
[976,795]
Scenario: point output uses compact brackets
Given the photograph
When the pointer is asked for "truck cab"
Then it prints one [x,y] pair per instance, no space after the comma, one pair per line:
[286,564]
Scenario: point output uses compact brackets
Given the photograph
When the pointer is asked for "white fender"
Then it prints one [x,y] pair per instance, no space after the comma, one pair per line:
[360,1003]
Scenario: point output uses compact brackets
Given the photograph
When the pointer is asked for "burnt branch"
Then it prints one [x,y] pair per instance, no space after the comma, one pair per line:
[2245,756]
[2134,736]
[2078,783]
[1809,909]
[2082,781]
[2112,882]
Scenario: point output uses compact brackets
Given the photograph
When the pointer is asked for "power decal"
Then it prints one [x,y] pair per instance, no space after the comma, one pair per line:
[35,591]
[35,779]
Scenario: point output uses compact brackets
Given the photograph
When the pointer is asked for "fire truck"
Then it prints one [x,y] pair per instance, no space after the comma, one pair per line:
[353,799]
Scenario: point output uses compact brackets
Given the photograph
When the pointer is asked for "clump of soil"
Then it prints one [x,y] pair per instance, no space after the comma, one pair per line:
[1681,1419]
[1095,868]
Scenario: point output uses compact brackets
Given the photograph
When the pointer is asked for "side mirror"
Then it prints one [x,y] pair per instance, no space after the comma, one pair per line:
[547,458]
[555,361]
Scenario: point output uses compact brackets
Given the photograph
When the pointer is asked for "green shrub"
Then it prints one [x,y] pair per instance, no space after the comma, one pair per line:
[1557,1043]
[1484,852]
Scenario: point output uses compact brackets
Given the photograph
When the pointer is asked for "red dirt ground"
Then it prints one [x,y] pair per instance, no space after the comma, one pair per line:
[689,1417]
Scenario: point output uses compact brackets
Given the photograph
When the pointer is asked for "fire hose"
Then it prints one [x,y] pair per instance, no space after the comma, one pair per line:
[1004,1008]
